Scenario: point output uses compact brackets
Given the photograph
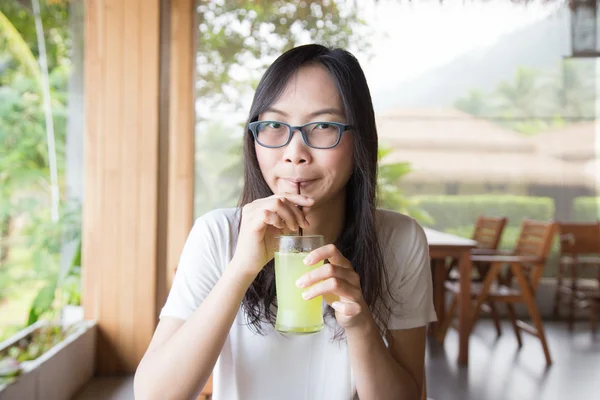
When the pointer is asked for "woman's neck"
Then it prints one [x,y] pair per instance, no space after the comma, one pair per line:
[328,219]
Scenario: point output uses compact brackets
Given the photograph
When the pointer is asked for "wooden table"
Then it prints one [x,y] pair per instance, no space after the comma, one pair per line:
[442,245]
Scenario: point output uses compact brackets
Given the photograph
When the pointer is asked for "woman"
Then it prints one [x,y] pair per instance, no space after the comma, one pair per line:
[377,280]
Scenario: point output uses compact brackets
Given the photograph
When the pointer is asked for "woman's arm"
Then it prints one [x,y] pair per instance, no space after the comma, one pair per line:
[182,355]
[382,373]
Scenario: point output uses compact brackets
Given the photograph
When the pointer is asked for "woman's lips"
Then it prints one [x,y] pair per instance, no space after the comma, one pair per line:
[302,182]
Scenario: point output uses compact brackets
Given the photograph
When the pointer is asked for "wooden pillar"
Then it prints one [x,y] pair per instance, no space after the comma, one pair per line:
[181,129]
[131,230]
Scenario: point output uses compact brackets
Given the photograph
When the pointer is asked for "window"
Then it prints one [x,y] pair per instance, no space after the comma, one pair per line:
[458,92]
[41,150]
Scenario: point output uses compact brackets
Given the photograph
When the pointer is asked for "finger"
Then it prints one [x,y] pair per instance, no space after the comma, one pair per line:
[347,308]
[270,218]
[284,209]
[328,271]
[338,287]
[300,217]
[329,252]
[297,199]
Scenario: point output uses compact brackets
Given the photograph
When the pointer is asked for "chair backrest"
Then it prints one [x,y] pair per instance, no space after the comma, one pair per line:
[488,231]
[535,239]
[579,238]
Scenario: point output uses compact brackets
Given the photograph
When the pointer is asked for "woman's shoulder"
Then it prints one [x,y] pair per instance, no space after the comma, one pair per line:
[220,216]
[392,222]
[221,223]
[399,230]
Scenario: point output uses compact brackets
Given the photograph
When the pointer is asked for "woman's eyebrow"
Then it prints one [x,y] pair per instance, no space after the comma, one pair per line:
[276,111]
[334,111]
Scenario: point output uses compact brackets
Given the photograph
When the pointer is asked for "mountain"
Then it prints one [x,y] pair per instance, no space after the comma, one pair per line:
[540,45]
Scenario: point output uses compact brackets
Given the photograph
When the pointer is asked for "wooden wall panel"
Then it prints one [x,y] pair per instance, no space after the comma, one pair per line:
[181,129]
[121,169]
[177,129]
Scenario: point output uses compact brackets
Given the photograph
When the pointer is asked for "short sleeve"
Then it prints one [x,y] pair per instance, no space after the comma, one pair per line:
[411,286]
[197,272]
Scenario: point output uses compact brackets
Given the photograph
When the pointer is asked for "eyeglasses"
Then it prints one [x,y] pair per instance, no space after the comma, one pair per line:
[318,135]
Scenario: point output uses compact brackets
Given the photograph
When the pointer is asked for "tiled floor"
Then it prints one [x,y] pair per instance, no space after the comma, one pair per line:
[497,371]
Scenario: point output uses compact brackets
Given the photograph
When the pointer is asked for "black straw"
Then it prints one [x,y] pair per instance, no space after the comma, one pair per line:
[300,207]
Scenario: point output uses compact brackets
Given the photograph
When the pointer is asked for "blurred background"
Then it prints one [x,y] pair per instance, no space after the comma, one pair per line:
[481,109]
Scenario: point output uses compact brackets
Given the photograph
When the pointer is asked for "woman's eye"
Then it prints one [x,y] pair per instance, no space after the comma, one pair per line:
[274,125]
[323,126]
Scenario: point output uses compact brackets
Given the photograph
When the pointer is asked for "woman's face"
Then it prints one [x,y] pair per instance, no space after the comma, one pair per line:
[310,96]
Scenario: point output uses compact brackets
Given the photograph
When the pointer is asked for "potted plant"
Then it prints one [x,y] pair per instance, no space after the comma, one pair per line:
[54,356]
[47,361]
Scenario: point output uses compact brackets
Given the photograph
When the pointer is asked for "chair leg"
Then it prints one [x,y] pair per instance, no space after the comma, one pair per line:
[476,313]
[483,295]
[443,329]
[533,310]
[513,319]
[539,326]
[557,295]
[572,298]
[495,317]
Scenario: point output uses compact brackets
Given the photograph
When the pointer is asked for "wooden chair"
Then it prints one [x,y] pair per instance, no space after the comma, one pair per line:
[526,265]
[579,250]
[487,233]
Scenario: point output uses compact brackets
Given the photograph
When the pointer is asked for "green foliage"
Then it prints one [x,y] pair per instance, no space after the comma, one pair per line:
[390,194]
[30,348]
[229,45]
[526,96]
[18,48]
[586,209]
[457,211]
[474,102]
[58,289]
[219,166]
[55,20]
[42,303]
[537,100]
[37,343]
[25,224]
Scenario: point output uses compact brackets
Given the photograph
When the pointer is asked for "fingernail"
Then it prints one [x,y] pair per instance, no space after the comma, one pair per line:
[301,282]
[336,305]
[305,295]
[307,261]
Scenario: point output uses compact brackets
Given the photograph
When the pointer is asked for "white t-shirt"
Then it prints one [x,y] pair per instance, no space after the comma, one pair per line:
[277,366]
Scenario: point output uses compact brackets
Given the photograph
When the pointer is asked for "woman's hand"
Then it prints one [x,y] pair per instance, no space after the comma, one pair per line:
[262,220]
[339,285]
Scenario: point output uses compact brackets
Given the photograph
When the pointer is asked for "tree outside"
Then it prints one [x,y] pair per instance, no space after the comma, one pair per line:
[31,237]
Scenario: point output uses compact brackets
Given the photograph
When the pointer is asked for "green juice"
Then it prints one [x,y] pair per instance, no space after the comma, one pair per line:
[294,314]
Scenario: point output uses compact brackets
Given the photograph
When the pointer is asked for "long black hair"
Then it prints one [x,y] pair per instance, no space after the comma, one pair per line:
[358,241]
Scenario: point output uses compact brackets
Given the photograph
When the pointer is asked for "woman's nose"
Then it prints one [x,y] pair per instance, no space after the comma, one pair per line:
[297,152]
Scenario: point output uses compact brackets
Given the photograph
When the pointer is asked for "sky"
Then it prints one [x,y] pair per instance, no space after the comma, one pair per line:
[421,35]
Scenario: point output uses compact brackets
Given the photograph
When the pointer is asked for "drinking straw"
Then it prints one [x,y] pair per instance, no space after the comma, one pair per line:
[300,228]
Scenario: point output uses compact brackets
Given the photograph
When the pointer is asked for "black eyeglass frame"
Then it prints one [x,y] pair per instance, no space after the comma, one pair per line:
[252,126]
